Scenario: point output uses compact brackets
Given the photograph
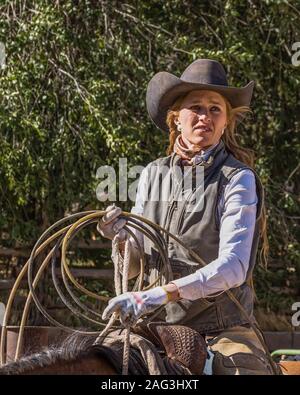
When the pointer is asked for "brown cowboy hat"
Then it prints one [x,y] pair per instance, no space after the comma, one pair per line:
[206,74]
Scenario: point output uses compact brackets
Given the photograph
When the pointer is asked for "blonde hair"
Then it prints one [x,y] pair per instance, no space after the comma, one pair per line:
[244,155]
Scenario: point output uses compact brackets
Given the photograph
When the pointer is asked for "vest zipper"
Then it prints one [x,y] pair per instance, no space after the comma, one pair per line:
[173,207]
[171,211]
[180,219]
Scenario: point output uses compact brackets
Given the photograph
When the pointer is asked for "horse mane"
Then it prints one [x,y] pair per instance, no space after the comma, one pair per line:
[76,346]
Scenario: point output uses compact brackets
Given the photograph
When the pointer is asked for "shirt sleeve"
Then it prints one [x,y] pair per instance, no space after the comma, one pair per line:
[238,216]
[141,196]
[142,191]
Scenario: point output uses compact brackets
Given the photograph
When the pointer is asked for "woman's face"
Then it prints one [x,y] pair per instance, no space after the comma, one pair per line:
[202,117]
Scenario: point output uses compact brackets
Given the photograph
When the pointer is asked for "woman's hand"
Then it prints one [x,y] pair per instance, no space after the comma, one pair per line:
[110,224]
[132,305]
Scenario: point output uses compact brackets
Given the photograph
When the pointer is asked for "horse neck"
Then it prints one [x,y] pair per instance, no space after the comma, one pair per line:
[91,365]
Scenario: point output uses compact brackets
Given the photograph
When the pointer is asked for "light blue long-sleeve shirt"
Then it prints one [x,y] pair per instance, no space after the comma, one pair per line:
[237,214]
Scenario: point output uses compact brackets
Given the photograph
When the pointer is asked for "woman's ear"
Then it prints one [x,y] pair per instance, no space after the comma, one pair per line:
[177,123]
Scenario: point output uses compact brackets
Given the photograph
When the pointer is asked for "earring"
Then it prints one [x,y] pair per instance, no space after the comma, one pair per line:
[179,128]
[223,130]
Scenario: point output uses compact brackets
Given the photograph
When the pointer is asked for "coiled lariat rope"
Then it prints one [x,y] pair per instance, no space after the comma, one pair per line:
[44,241]
[62,238]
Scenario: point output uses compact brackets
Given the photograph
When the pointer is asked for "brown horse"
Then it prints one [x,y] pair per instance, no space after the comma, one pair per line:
[76,355]
[157,348]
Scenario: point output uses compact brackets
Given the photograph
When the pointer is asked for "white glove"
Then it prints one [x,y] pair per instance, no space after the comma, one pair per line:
[132,305]
[109,225]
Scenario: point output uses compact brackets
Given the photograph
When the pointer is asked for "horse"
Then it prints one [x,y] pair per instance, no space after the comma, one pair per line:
[77,355]
[176,349]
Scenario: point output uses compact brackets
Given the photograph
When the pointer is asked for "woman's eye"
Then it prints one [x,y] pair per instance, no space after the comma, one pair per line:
[198,108]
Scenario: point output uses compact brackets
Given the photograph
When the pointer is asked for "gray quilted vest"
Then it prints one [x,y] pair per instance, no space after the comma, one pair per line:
[198,227]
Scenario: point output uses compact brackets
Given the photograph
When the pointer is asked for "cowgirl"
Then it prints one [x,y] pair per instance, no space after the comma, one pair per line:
[200,112]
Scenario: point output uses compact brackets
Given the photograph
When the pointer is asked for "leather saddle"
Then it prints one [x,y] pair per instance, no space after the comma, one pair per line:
[180,343]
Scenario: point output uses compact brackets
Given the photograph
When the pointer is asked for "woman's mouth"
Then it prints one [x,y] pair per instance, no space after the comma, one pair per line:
[203,128]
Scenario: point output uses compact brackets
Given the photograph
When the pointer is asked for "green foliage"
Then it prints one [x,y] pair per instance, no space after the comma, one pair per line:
[73,99]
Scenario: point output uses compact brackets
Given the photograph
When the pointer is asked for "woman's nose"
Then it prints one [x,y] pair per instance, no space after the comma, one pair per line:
[204,116]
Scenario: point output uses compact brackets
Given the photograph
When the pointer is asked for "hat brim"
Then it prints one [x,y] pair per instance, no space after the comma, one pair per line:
[164,88]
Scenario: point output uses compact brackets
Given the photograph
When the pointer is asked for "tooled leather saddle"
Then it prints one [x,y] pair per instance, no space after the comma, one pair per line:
[181,344]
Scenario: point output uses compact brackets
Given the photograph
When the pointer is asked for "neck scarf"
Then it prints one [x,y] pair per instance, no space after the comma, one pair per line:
[190,154]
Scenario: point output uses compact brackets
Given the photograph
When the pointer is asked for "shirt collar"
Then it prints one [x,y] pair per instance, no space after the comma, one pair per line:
[203,155]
